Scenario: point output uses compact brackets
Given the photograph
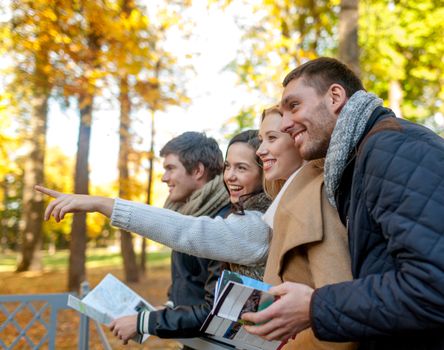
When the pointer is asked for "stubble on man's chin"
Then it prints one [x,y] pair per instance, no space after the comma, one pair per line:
[317,150]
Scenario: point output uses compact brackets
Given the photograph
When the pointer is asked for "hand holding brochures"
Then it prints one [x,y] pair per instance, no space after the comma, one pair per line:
[236,294]
[109,300]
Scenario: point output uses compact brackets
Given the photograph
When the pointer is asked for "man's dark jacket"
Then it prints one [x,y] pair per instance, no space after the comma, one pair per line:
[391,197]
[192,292]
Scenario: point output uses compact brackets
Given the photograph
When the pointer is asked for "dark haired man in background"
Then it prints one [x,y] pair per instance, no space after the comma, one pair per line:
[193,166]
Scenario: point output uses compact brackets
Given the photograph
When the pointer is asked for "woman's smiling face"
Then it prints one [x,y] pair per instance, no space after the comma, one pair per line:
[242,174]
[279,155]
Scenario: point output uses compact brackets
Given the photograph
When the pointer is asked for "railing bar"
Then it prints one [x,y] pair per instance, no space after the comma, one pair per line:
[11,319]
[38,313]
[31,307]
[102,336]
[16,310]
[43,340]
[84,332]
[29,340]
[30,324]
[15,324]
[4,309]
[52,330]
[58,297]
[6,313]
[16,340]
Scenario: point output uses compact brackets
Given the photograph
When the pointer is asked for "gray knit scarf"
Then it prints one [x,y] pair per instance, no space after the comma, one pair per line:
[348,131]
[206,201]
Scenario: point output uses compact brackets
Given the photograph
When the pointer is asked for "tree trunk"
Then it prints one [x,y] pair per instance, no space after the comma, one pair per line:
[126,241]
[88,60]
[348,34]
[77,246]
[395,97]
[149,187]
[143,256]
[33,205]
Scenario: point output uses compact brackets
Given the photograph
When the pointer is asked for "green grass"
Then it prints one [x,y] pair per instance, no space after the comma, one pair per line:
[97,257]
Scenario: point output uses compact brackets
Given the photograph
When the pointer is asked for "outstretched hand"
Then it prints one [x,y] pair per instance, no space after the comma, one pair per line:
[286,317]
[74,203]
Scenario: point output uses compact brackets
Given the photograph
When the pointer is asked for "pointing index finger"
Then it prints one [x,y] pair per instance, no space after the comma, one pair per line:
[49,192]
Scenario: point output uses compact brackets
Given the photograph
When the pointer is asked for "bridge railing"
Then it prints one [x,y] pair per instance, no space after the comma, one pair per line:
[43,309]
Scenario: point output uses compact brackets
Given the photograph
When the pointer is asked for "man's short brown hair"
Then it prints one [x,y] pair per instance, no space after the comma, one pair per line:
[193,148]
[322,72]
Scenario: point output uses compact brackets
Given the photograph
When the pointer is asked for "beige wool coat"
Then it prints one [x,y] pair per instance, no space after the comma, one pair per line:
[309,244]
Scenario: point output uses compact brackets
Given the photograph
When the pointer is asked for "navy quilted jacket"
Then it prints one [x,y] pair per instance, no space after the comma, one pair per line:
[392,199]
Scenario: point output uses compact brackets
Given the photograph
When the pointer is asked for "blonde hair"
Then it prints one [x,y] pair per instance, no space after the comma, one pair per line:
[271,188]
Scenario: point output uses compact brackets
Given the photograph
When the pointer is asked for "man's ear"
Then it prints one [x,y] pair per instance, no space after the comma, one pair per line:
[199,172]
[337,97]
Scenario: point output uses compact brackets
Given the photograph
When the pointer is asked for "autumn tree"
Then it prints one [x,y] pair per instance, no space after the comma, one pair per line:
[394,46]
[402,55]
[31,37]
[348,34]
[131,24]
[58,176]
[243,120]
[11,175]
[81,31]
[162,85]
[280,35]
[139,64]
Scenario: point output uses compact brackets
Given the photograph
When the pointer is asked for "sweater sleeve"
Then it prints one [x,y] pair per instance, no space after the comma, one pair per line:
[241,239]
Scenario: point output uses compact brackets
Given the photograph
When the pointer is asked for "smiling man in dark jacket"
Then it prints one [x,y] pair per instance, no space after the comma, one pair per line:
[386,178]
[193,165]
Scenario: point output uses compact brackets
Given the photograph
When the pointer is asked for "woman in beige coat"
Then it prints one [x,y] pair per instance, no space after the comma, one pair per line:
[309,243]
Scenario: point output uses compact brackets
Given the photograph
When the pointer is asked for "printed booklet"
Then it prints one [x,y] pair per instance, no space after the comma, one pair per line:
[236,294]
[111,299]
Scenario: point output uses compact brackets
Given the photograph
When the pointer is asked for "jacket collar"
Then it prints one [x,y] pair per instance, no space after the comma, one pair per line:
[342,195]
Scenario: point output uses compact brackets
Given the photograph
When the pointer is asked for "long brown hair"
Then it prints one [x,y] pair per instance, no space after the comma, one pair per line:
[250,138]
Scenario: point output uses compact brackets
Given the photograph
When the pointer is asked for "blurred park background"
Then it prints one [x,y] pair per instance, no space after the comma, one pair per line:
[91,89]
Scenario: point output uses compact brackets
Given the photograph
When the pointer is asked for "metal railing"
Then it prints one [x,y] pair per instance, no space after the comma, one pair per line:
[44,309]
[84,325]
[39,305]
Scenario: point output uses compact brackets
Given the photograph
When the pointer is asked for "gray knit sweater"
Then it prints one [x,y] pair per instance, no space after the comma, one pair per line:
[241,239]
